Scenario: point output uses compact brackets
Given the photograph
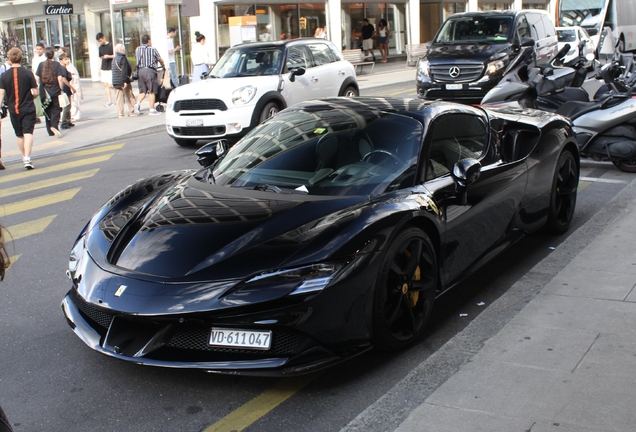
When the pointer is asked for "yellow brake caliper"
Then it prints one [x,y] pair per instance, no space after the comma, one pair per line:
[414,296]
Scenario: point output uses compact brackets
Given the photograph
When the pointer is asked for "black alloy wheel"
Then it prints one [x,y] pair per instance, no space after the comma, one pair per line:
[563,196]
[405,290]
[628,166]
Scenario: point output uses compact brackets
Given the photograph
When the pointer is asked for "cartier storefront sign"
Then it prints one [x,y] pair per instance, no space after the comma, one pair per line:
[63,9]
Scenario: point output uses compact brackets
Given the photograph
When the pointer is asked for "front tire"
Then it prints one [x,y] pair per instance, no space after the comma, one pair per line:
[350,91]
[563,195]
[628,166]
[404,291]
[185,142]
[269,111]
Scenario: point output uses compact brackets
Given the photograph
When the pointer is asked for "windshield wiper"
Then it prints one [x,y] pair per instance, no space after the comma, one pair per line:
[273,188]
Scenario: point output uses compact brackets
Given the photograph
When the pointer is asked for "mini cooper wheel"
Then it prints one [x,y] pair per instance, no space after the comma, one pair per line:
[563,195]
[350,92]
[269,111]
[404,291]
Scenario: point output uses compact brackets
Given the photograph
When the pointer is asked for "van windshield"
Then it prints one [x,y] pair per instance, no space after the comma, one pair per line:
[490,29]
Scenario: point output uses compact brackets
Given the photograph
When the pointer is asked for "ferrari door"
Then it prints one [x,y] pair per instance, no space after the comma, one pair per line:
[474,230]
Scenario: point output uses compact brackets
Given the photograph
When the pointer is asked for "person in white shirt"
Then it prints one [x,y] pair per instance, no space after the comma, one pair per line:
[200,57]
[38,57]
[171,60]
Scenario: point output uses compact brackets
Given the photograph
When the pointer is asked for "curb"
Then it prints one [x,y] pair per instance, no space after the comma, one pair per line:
[394,407]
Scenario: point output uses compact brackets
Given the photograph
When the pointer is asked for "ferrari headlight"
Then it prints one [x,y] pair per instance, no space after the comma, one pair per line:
[310,279]
[243,95]
[424,67]
[78,251]
[494,66]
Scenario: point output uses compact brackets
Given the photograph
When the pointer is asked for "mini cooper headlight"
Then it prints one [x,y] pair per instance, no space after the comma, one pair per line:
[310,279]
[171,98]
[243,95]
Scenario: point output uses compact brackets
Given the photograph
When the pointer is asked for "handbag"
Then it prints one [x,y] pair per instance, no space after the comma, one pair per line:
[4,110]
[135,74]
[63,100]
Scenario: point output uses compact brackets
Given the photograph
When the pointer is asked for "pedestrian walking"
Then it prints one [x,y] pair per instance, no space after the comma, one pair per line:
[78,96]
[19,87]
[174,81]
[37,59]
[51,76]
[368,31]
[200,57]
[147,59]
[68,90]
[383,42]
[105,74]
[122,83]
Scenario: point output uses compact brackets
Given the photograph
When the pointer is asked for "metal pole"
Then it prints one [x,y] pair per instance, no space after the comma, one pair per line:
[112,23]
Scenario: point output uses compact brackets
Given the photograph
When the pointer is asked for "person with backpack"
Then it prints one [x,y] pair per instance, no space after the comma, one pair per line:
[51,76]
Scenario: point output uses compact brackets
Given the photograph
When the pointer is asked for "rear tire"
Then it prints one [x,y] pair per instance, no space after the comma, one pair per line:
[628,166]
[404,291]
[185,142]
[563,195]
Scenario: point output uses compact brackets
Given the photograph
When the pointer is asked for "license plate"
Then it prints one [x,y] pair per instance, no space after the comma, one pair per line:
[194,122]
[237,338]
[453,86]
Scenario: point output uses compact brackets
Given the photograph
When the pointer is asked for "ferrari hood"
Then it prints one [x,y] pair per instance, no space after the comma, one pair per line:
[192,230]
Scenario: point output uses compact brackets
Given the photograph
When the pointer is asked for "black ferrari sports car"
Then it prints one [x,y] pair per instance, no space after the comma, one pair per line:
[326,231]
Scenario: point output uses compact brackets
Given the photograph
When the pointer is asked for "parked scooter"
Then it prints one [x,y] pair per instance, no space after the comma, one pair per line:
[605,126]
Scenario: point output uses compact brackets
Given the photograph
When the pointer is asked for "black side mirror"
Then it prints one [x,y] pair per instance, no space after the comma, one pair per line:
[296,72]
[211,152]
[527,42]
[465,172]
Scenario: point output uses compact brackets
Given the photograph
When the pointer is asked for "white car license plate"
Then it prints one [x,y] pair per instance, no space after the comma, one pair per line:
[453,86]
[237,338]
[194,122]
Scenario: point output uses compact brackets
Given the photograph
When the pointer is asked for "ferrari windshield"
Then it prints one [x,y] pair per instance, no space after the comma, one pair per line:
[494,29]
[325,153]
[249,61]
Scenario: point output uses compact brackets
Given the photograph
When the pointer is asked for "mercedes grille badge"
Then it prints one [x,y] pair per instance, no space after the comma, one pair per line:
[454,72]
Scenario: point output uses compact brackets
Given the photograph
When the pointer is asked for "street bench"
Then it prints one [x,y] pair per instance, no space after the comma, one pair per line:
[414,52]
[356,58]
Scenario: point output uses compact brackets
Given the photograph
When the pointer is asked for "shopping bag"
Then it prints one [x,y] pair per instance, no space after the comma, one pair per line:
[166,80]
[63,100]
[39,109]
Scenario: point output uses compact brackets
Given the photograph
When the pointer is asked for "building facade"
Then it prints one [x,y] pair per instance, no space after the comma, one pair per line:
[224,23]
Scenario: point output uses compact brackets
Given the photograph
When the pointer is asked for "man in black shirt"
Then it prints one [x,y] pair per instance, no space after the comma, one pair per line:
[368,31]
[19,87]
[107,56]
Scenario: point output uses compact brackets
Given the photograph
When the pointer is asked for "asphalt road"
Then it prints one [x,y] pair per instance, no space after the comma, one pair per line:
[50,381]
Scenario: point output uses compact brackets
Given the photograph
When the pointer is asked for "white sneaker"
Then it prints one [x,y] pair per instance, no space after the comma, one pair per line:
[107,104]
[56,132]
[27,163]
[137,108]
[154,112]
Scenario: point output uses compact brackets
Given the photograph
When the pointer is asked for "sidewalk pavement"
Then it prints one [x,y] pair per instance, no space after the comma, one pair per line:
[100,124]
[556,352]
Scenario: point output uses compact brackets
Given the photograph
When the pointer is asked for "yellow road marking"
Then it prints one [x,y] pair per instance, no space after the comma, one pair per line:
[245,415]
[26,229]
[55,168]
[583,184]
[100,149]
[13,259]
[47,183]
[38,202]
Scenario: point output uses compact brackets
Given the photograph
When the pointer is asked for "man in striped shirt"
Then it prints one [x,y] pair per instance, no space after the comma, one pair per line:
[147,59]
[18,84]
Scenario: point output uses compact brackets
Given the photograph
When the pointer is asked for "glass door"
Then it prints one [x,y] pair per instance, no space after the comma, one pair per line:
[55,31]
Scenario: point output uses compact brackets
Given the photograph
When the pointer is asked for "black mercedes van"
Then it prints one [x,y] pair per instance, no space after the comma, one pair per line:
[472,49]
